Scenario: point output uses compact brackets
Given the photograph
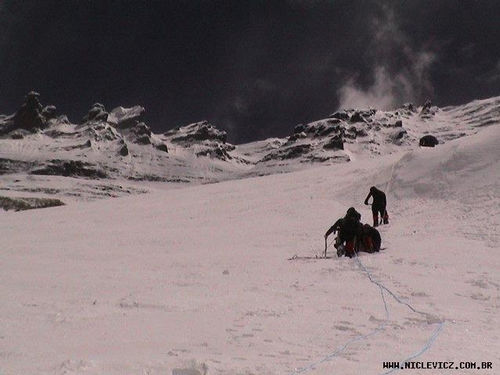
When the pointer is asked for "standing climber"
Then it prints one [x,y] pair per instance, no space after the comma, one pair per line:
[379,204]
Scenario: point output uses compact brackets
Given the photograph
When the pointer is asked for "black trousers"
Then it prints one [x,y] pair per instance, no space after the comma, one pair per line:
[376,210]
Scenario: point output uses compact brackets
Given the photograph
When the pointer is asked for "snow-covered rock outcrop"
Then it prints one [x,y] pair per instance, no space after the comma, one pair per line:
[119,143]
[126,117]
[30,117]
[202,139]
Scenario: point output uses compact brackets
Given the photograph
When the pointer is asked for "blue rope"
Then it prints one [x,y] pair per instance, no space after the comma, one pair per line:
[381,327]
[429,342]
[340,349]
[421,351]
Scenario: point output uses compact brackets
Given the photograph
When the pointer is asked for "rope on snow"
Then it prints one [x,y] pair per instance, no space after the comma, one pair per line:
[381,327]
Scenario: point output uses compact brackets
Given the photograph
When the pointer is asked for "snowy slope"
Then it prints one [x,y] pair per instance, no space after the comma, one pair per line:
[199,278]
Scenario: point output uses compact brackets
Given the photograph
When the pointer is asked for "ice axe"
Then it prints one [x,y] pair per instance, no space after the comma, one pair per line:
[326,245]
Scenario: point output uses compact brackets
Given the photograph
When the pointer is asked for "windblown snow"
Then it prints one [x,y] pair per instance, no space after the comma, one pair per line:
[224,278]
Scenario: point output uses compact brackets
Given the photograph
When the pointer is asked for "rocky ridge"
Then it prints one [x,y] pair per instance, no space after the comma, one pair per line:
[118,144]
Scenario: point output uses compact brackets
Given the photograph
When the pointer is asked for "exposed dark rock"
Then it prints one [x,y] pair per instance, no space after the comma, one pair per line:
[221,153]
[140,134]
[6,124]
[409,107]
[428,141]
[125,118]
[29,116]
[142,129]
[201,131]
[296,151]
[172,132]
[428,110]
[319,158]
[427,105]
[14,166]
[398,124]
[102,131]
[335,143]
[157,179]
[324,130]
[398,135]
[127,123]
[143,140]
[17,135]
[49,112]
[288,152]
[341,115]
[87,144]
[217,152]
[300,128]
[124,150]
[70,168]
[63,119]
[358,132]
[323,158]
[333,121]
[357,117]
[361,132]
[96,113]
[22,203]
[296,136]
[350,133]
[162,147]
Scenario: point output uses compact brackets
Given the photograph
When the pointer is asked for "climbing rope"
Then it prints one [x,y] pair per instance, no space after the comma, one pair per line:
[383,289]
[426,347]
[340,349]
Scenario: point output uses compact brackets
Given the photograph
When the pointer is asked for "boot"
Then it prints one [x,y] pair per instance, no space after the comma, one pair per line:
[340,250]
[349,249]
[368,243]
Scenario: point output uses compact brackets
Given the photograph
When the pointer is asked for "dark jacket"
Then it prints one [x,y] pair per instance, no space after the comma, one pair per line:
[348,227]
[335,227]
[352,213]
[351,227]
[378,196]
[374,234]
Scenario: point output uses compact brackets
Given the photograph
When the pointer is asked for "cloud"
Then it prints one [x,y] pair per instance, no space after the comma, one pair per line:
[378,95]
[399,71]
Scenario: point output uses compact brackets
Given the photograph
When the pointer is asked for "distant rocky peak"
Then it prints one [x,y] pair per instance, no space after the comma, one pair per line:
[126,117]
[32,115]
[428,110]
[31,100]
[196,132]
[96,113]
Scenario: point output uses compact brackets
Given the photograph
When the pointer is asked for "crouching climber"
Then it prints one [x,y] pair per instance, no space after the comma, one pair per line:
[369,240]
[348,228]
[352,236]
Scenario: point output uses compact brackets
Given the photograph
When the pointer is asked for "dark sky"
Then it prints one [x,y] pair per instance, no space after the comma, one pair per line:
[254,68]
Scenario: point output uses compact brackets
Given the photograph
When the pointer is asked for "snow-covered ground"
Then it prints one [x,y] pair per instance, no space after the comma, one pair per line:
[199,279]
